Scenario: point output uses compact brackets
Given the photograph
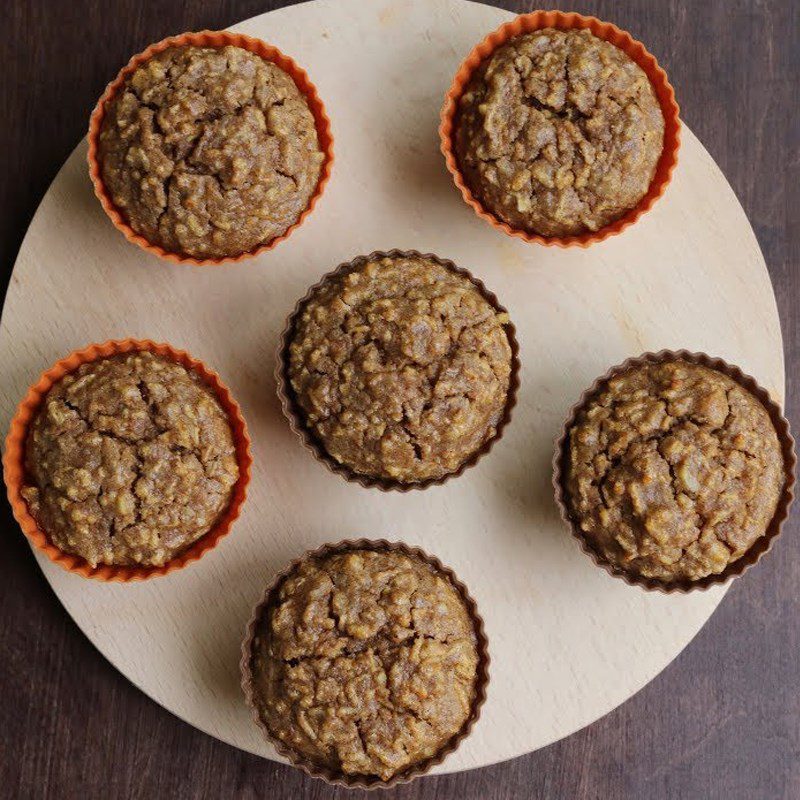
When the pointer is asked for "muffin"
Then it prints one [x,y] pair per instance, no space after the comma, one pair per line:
[673,471]
[129,460]
[400,367]
[209,152]
[558,132]
[364,663]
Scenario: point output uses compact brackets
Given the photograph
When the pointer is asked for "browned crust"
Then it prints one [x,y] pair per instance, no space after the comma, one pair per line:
[761,546]
[291,409]
[208,38]
[14,470]
[535,20]
[482,680]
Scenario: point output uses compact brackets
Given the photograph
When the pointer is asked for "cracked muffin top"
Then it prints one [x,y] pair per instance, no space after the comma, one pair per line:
[559,132]
[674,471]
[209,152]
[401,368]
[129,461]
[365,662]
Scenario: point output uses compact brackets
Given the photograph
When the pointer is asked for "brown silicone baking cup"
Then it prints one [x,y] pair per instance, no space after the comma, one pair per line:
[14,472]
[210,39]
[536,20]
[294,413]
[365,781]
[759,548]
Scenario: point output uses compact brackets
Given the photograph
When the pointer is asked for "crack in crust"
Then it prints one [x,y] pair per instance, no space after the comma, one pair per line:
[559,132]
[130,460]
[401,368]
[210,152]
[366,662]
[674,471]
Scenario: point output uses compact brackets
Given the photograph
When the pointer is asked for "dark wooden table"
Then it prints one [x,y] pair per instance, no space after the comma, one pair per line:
[723,721]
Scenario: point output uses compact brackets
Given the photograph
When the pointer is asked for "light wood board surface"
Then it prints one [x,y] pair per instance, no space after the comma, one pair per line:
[568,642]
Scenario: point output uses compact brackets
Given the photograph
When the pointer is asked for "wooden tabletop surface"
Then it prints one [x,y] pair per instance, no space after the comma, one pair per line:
[722,721]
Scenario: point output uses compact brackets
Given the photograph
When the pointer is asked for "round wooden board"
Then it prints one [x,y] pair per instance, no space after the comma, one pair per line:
[568,642]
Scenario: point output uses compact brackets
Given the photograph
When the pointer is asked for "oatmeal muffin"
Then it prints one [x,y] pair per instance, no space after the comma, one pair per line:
[365,662]
[400,368]
[673,471]
[559,132]
[129,461]
[209,152]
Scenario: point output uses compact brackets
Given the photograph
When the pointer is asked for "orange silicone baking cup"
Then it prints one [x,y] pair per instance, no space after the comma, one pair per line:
[14,461]
[536,20]
[210,39]
[332,776]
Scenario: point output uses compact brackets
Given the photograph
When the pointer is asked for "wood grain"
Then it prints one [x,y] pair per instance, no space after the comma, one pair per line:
[720,722]
[589,643]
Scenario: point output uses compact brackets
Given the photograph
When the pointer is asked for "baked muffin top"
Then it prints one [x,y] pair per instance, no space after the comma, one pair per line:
[559,132]
[209,152]
[366,662]
[130,460]
[674,471]
[401,368]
